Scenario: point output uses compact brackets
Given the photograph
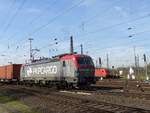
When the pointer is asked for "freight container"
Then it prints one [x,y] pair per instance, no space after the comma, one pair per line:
[2,72]
[10,72]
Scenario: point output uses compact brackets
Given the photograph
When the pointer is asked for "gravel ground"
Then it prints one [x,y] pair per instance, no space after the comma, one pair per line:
[46,100]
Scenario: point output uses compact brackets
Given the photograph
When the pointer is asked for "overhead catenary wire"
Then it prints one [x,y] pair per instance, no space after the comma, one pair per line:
[43,13]
[56,17]
[9,11]
[57,42]
[53,19]
[17,45]
[141,32]
[76,47]
[50,48]
[62,49]
[123,44]
[54,2]
[123,40]
[87,33]
[44,47]
[115,25]
[125,50]
[105,10]
[13,17]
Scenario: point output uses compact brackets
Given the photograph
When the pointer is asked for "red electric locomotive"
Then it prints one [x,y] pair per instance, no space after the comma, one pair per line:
[102,73]
[66,69]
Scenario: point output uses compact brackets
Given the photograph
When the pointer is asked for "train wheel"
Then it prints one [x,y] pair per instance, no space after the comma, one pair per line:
[62,85]
[70,86]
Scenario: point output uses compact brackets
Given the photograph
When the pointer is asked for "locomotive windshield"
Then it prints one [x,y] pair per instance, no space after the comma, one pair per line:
[85,61]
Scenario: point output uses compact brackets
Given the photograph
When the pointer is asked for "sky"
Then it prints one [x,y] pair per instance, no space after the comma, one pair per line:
[113,27]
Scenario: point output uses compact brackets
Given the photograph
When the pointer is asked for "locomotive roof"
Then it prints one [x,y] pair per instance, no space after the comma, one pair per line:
[72,56]
[41,61]
[61,55]
[57,58]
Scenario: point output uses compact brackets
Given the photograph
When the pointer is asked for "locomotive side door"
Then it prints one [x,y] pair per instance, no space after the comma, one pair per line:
[68,70]
[64,70]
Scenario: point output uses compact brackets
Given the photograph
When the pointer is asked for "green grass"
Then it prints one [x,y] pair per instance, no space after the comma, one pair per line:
[8,104]
[4,99]
[19,107]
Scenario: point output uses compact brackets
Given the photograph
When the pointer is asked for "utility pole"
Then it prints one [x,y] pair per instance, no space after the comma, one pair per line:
[31,56]
[138,66]
[71,45]
[145,61]
[100,62]
[135,60]
[96,64]
[81,46]
[107,61]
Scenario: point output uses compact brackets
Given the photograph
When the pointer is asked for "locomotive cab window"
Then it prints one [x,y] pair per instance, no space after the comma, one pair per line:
[64,64]
[85,61]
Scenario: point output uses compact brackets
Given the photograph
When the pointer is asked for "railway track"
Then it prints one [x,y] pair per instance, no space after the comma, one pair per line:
[97,91]
[124,84]
[93,90]
[54,101]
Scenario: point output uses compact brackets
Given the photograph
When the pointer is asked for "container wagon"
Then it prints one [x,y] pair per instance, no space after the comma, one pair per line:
[10,73]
